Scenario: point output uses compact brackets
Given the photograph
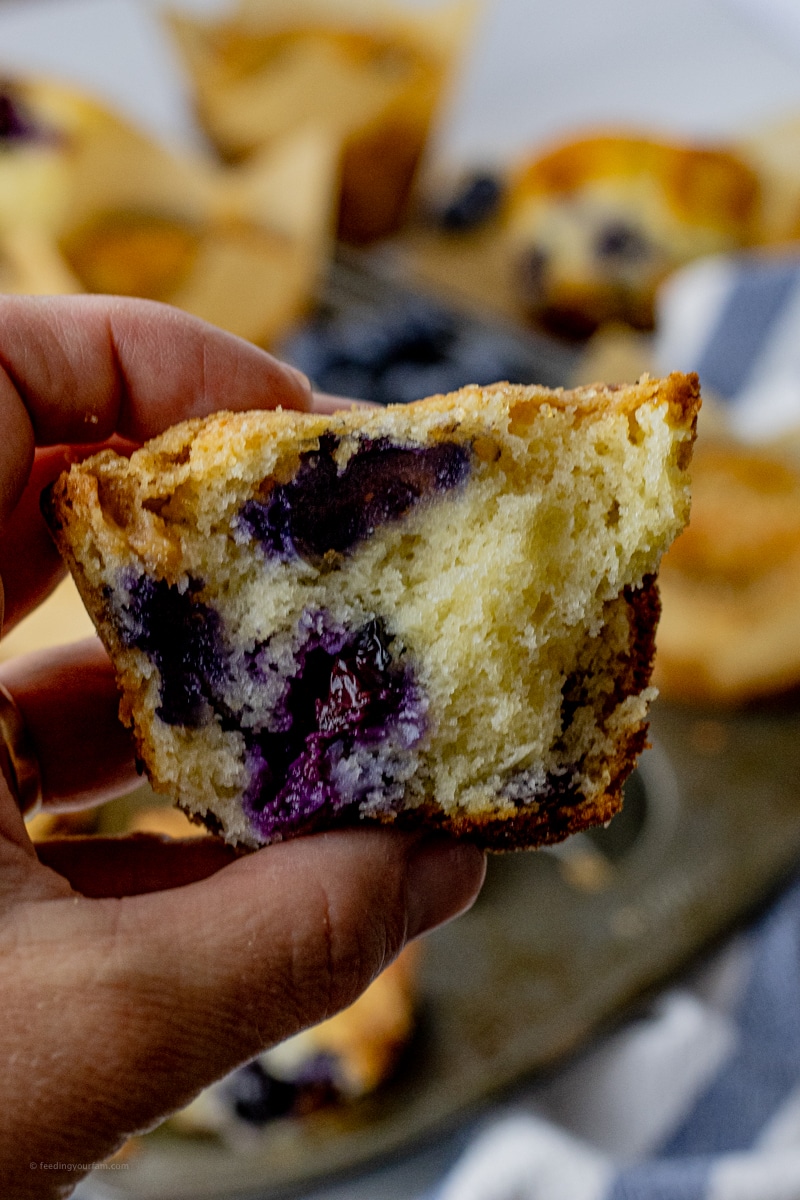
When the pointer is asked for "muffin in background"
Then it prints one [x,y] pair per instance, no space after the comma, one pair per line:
[595,225]
[341,1061]
[371,75]
[44,128]
[90,204]
[31,264]
[772,150]
[730,623]
[582,235]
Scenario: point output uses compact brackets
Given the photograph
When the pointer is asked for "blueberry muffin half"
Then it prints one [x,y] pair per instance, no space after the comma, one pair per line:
[440,613]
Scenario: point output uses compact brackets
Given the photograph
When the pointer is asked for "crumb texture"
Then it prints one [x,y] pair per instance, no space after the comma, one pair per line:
[440,613]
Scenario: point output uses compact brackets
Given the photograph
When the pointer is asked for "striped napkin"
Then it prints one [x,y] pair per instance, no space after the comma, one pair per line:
[697,1098]
[736,321]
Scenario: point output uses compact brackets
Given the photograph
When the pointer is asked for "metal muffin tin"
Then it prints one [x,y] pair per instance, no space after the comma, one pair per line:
[558,944]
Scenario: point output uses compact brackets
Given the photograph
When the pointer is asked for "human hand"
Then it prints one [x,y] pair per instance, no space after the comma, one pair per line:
[137,971]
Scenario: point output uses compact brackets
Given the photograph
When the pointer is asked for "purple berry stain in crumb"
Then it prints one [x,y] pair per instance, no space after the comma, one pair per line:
[182,636]
[324,509]
[348,695]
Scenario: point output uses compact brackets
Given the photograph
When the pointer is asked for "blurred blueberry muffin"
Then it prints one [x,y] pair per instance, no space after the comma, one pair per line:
[370,74]
[343,1059]
[436,614]
[730,629]
[43,128]
[595,225]
[582,235]
[88,203]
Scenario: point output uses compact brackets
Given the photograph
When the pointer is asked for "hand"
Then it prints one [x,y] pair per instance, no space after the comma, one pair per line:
[137,971]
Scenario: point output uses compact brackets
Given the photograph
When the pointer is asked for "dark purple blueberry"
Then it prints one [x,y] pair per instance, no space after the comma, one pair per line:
[347,693]
[269,522]
[477,200]
[326,509]
[359,690]
[256,1096]
[182,637]
[622,243]
[16,123]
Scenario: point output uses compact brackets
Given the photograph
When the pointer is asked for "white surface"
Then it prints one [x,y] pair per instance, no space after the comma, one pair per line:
[695,67]
[535,70]
[782,17]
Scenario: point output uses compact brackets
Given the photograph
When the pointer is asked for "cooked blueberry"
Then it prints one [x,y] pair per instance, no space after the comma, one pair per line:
[477,200]
[270,523]
[358,688]
[347,692]
[326,509]
[182,637]
[622,243]
[256,1096]
[16,125]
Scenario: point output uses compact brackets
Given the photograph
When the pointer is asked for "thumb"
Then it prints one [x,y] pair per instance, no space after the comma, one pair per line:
[188,983]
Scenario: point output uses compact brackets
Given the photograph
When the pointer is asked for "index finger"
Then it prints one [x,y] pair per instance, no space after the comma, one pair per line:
[80,368]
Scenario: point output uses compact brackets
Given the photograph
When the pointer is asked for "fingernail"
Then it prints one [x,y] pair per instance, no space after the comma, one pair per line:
[443,880]
[304,388]
[298,375]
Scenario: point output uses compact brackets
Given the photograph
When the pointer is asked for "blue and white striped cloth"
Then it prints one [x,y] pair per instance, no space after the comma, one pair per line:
[736,321]
[698,1098]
